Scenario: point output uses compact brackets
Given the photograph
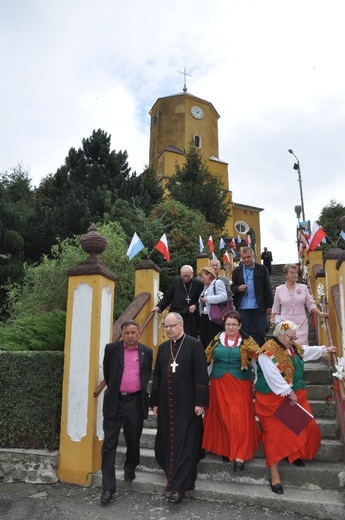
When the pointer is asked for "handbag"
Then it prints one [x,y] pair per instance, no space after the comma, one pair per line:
[218,310]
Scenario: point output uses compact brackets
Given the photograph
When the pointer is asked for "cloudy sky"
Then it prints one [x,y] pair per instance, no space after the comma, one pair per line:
[273,69]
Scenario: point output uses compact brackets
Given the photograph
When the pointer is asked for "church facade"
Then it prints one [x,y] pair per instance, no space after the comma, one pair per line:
[181,120]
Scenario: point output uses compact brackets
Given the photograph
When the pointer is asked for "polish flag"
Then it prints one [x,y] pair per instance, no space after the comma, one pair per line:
[232,243]
[210,243]
[162,247]
[248,241]
[317,235]
[225,258]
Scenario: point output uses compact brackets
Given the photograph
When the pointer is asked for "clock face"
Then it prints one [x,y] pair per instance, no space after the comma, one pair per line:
[197,112]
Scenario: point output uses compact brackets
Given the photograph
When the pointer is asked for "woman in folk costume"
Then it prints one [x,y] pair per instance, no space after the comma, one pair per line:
[230,428]
[279,377]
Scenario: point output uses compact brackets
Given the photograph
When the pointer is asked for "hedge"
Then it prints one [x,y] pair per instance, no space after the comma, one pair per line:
[30,399]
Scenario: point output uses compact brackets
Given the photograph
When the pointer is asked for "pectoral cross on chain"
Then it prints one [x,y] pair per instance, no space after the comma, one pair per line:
[188,299]
[173,366]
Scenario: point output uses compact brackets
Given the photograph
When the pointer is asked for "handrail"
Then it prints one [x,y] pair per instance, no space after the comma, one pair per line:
[130,313]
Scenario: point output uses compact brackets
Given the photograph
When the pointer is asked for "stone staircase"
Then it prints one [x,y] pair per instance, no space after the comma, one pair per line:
[317,490]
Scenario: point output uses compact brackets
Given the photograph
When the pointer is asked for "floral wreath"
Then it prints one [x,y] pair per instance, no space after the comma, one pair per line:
[285,326]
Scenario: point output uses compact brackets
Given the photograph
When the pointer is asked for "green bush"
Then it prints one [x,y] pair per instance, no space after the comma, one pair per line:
[43,332]
[30,404]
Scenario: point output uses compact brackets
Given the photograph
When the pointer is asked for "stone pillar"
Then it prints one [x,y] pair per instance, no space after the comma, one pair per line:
[340,266]
[202,260]
[147,279]
[88,328]
[332,294]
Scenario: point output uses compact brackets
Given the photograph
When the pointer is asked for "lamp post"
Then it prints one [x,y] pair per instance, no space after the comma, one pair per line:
[296,166]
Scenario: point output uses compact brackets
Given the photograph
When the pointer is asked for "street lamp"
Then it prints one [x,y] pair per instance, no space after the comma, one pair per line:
[296,166]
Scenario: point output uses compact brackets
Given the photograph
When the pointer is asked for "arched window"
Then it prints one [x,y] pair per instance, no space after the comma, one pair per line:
[241,227]
[197,141]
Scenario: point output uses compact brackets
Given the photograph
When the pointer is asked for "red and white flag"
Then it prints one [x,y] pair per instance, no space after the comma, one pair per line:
[162,247]
[225,258]
[248,241]
[210,243]
[316,237]
[232,243]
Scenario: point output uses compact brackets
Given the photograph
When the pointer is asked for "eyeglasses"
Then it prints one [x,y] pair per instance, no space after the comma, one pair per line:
[292,338]
[171,326]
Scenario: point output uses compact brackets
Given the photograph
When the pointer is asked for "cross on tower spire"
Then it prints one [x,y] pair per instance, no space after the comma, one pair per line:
[185,74]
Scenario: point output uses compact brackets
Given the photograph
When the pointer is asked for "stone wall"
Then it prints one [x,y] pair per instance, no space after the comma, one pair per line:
[34,466]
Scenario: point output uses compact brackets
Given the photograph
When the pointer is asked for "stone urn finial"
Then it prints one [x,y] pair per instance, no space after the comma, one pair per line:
[93,243]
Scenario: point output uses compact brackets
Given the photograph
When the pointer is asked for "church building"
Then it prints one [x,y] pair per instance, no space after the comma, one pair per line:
[179,120]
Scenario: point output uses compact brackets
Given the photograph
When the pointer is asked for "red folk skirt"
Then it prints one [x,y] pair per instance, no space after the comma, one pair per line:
[277,439]
[230,428]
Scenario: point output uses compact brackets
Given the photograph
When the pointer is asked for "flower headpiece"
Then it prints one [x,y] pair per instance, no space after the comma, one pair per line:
[285,326]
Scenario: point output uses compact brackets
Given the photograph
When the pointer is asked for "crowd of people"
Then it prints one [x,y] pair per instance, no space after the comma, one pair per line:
[206,374]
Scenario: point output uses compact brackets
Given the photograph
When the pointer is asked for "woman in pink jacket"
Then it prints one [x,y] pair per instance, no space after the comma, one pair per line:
[290,301]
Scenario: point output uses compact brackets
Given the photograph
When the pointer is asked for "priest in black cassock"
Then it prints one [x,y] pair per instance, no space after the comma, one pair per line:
[183,297]
[179,397]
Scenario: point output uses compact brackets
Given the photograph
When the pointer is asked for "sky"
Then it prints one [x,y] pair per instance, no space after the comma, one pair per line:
[273,69]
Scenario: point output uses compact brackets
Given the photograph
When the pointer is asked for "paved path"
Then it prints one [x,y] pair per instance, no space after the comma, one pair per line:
[67,502]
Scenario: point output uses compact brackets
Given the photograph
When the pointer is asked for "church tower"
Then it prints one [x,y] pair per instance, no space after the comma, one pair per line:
[179,121]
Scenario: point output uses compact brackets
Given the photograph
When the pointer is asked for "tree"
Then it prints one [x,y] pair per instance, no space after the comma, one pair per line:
[83,190]
[195,187]
[182,227]
[145,191]
[44,287]
[16,216]
[329,220]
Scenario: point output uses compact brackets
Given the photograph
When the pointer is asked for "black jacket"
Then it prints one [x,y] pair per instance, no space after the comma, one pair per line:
[113,370]
[262,286]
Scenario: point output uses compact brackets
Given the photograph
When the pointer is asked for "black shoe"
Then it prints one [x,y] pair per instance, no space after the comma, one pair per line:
[106,497]
[299,463]
[238,466]
[176,497]
[225,459]
[277,488]
[129,476]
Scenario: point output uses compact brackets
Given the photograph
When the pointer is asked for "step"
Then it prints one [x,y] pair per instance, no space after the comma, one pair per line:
[319,392]
[316,473]
[330,448]
[322,410]
[323,504]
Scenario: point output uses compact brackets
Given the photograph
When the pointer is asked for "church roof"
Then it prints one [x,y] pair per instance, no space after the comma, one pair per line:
[216,159]
[244,206]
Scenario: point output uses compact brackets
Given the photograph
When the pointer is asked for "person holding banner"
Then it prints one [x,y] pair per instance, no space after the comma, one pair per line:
[280,377]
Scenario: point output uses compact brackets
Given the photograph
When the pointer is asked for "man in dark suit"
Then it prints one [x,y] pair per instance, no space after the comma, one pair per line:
[267,259]
[127,368]
[253,298]
[183,297]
